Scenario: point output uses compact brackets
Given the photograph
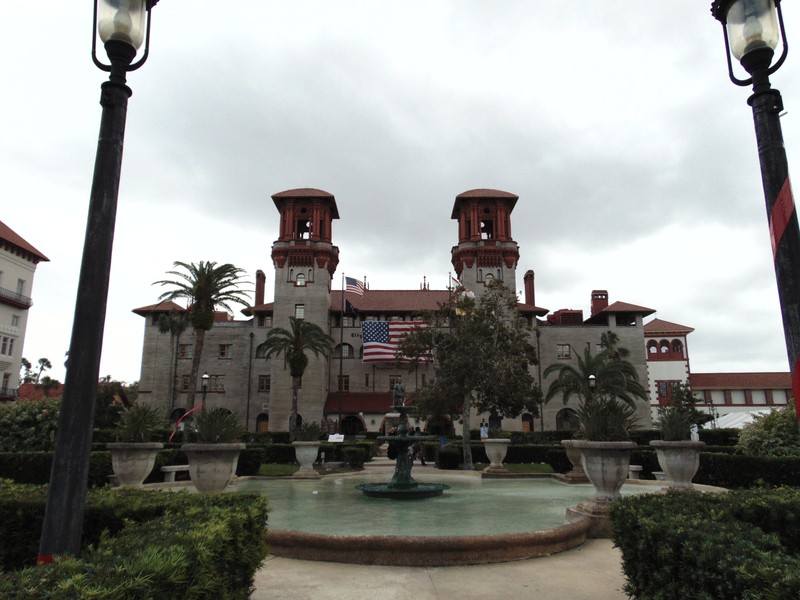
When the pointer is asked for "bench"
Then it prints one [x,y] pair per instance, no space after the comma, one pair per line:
[170,471]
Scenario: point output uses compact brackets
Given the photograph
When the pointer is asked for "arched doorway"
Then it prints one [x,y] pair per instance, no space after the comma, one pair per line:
[352,425]
[495,422]
[262,423]
[566,420]
[175,416]
[527,423]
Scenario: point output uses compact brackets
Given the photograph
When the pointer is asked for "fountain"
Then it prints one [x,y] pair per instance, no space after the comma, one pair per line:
[402,486]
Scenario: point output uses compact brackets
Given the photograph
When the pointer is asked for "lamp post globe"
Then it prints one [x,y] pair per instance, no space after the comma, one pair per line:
[752,30]
[120,25]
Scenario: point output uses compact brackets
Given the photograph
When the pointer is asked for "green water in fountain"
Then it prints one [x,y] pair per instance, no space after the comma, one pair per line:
[472,506]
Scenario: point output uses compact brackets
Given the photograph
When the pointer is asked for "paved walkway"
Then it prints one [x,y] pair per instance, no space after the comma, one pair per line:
[589,572]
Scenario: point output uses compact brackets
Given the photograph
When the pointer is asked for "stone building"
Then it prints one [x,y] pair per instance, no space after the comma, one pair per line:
[345,388]
[18,260]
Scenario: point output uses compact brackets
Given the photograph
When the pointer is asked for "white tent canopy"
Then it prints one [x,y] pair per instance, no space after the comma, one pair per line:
[737,420]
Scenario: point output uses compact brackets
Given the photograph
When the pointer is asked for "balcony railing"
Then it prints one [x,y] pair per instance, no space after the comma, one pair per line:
[15,298]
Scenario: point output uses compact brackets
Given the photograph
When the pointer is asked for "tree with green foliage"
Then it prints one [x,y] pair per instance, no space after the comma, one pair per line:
[112,398]
[774,434]
[606,384]
[28,376]
[174,323]
[205,286]
[481,354]
[677,416]
[292,344]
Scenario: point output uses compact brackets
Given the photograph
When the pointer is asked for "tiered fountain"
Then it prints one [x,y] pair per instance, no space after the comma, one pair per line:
[403,486]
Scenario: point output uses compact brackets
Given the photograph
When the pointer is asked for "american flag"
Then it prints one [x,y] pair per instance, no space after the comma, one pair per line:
[354,285]
[381,339]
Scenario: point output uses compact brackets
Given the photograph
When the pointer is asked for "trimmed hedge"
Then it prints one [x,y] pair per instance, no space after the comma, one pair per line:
[719,437]
[34,467]
[138,544]
[738,471]
[742,544]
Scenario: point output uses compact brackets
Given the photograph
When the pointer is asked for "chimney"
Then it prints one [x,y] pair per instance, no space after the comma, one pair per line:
[599,300]
[261,281]
[530,292]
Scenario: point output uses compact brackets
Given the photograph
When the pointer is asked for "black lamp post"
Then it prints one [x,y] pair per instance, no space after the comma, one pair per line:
[752,30]
[122,26]
[205,379]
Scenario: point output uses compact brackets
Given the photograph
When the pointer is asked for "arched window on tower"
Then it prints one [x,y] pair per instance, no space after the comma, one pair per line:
[488,279]
[487,229]
[664,347]
[677,347]
[652,347]
[301,280]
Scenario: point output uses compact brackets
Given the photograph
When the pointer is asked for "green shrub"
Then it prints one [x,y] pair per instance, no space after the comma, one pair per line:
[140,423]
[449,457]
[29,426]
[737,471]
[720,437]
[140,544]
[34,467]
[774,434]
[354,456]
[218,426]
[709,546]
[250,461]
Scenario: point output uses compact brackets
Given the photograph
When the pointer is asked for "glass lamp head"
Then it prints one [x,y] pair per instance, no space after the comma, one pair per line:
[122,20]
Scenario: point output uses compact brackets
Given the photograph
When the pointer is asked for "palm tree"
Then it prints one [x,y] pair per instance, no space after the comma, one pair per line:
[606,373]
[174,323]
[205,286]
[292,343]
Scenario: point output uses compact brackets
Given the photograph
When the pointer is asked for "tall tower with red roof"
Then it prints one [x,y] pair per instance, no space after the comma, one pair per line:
[485,249]
[305,260]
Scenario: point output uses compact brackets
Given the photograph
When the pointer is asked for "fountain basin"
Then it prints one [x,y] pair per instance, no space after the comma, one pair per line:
[478,521]
[426,551]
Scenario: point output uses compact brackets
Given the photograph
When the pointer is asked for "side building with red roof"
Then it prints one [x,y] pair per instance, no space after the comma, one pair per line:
[352,395]
[18,261]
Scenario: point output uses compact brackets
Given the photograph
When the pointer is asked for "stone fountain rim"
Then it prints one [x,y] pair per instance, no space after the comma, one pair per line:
[427,551]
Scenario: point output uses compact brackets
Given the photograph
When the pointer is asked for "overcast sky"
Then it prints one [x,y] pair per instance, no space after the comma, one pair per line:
[633,155]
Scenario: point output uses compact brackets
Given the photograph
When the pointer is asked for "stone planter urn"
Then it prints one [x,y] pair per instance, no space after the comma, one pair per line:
[496,453]
[133,461]
[306,455]
[606,465]
[577,474]
[212,466]
[679,460]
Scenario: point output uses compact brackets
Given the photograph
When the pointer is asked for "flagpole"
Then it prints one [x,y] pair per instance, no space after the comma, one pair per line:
[339,385]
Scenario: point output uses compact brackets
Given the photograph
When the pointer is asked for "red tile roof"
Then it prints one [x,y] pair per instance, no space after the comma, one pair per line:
[621,307]
[661,327]
[389,301]
[306,193]
[259,308]
[758,381]
[35,391]
[10,236]
[166,306]
[355,402]
[408,301]
[480,194]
